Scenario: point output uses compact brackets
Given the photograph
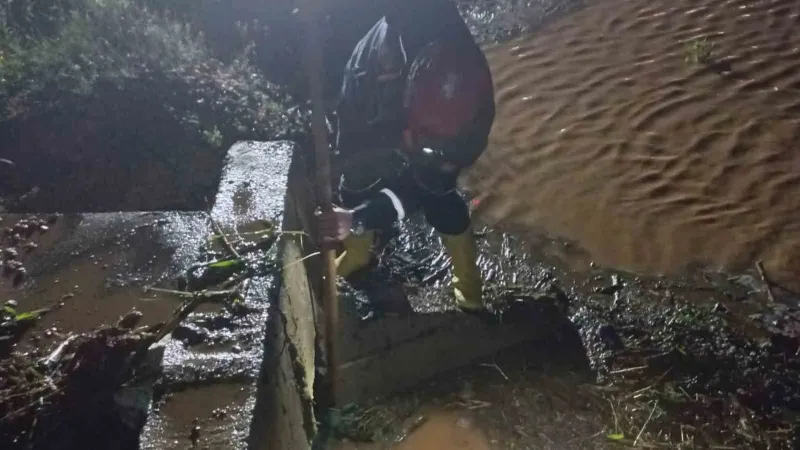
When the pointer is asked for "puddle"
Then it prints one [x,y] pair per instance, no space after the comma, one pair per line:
[212,416]
[437,430]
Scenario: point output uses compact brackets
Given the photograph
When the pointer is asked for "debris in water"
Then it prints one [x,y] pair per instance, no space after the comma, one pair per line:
[609,336]
[19,276]
[194,435]
[130,320]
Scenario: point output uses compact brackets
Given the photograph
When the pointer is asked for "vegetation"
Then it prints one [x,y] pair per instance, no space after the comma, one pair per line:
[56,49]
[698,51]
[81,79]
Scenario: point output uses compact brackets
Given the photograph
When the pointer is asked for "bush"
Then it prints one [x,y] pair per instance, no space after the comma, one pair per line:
[113,99]
[113,41]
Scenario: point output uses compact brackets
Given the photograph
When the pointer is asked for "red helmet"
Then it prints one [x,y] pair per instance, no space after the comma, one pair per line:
[446,88]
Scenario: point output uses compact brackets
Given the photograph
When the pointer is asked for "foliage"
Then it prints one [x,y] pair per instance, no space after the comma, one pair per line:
[56,51]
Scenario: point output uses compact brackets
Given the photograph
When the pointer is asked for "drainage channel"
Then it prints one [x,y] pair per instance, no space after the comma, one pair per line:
[94,267]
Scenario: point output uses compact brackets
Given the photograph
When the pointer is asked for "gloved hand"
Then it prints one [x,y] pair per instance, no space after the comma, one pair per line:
[334,225]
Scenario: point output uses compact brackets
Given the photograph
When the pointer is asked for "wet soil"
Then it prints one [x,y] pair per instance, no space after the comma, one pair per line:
[688,362]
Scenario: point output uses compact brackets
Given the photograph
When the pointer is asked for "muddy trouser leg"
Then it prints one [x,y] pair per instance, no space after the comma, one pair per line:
[448,213]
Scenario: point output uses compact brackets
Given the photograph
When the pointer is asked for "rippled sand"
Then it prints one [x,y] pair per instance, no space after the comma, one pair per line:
[606,135]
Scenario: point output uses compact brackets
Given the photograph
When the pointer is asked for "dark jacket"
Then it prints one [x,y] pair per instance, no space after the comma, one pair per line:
[370,112]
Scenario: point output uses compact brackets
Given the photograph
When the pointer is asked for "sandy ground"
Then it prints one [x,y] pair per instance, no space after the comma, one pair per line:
[651,161]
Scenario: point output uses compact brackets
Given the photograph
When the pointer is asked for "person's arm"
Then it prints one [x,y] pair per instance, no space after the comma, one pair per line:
[379,212]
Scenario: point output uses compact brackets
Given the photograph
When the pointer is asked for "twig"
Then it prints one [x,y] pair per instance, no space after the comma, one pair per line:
[767,282]
[614,414]
[224,237]
[219,231]
[635,441]
[647,388]
[629,369]
[293,263]
[498,369]
[196,299]
[206,295]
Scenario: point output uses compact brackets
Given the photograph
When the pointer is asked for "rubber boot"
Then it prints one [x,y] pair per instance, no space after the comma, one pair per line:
[467,285]
[357,254]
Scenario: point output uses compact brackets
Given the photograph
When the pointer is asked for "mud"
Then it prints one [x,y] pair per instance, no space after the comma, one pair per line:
[671,363]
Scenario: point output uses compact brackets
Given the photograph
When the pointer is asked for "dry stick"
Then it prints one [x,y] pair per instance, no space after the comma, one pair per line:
[313,10]
[207,295]
[767,282]
[225,240]
[635,441]
[196,299]
[218,230]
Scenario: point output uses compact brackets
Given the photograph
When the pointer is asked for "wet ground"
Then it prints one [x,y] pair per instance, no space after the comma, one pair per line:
[90,270]
[697,360]
[691,362]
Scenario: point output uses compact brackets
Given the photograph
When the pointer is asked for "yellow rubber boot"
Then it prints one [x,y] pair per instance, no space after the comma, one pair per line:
[356,255]
[467,284]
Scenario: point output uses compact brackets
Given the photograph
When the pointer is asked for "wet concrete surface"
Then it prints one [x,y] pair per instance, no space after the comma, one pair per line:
[197,378]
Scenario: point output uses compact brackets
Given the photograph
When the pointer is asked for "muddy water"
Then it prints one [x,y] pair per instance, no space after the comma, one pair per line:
[441,430]
[607,136]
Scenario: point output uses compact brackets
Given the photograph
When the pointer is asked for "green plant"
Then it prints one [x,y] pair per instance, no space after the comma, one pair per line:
[698,51]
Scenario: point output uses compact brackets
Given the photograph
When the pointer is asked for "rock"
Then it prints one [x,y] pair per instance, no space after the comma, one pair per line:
[10,253]
[130,320]
[189,335]
[609,337]
[11,266]
[194,435]
[20,276]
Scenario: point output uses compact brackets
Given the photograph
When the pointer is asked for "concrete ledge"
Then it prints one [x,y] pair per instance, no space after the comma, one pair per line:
[444,341]
[389,354]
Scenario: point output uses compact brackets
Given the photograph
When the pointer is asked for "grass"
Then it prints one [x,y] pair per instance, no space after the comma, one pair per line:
[699,51]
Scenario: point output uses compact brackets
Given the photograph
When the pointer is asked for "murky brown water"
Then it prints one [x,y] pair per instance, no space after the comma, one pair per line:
[441,430]
[606,135]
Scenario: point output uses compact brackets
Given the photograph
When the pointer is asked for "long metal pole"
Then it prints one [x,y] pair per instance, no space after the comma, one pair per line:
[314,11]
